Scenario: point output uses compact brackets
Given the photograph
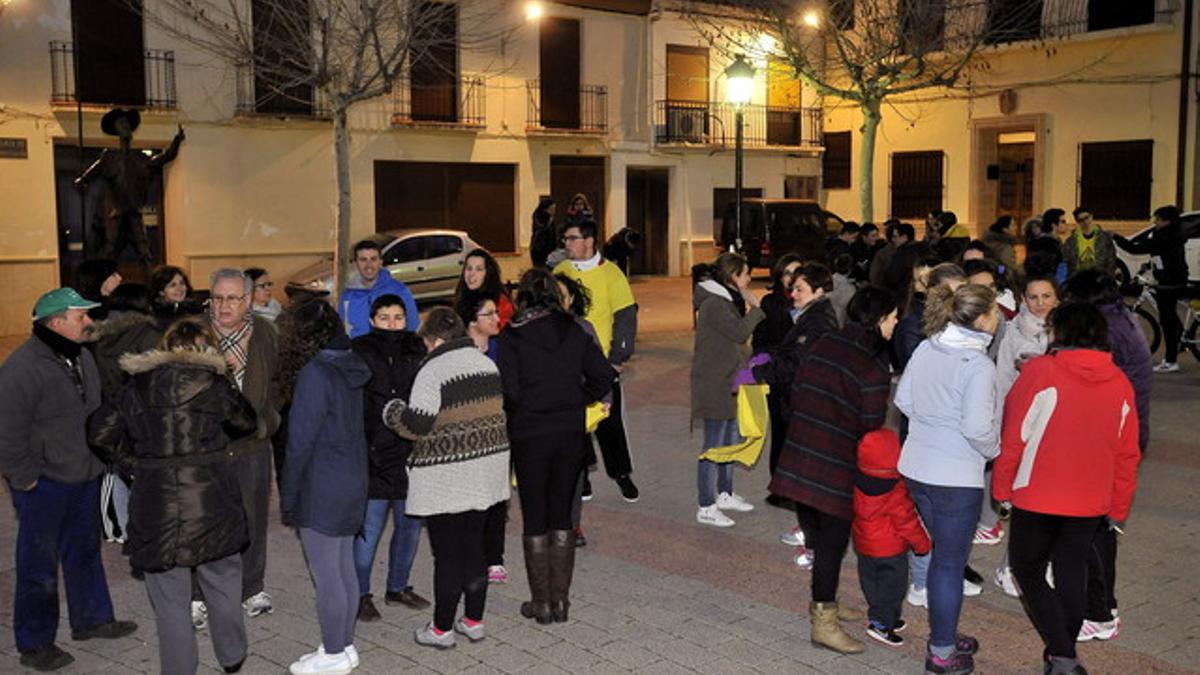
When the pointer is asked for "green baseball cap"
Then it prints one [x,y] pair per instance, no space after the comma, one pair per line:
[58,301]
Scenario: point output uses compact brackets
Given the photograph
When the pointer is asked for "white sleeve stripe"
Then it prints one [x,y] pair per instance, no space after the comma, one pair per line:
[1032,429]
[1124,416]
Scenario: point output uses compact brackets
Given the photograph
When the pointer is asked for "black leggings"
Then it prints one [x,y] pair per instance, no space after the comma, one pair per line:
[547,471]
[1065,542]
[778,410]
[827,536]
[493,533]
[1102,575]
[1166,300]
[458,567]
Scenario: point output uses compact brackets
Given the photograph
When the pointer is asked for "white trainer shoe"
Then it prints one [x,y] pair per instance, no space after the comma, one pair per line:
[971,589]
[803,558]
[730,501]
[1006,582]
[711,515]
[320,663]
[429,637]
[793,537]
[1099,630]
[473,633]
[351,652]
[259,603]
[917,597]
[199,615]
[1167,367]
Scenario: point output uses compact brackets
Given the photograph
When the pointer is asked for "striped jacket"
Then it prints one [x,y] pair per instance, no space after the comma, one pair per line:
[455,416]
[839,394]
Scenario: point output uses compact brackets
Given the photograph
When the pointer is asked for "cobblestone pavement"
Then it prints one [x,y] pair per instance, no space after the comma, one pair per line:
[656,593]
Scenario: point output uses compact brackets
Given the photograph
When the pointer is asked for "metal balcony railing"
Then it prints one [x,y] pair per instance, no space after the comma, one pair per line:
[158,71]
[259,96]
[1006,21]
[710,123]
[462,103]
[552,109]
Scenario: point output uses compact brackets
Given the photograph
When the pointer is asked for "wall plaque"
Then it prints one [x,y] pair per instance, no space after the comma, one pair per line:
[14,148]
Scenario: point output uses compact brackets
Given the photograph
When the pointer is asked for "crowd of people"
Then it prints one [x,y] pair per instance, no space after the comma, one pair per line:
[156,416]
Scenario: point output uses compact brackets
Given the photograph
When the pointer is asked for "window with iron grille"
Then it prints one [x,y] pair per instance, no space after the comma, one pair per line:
[835,165]
[1013,20]
[917,183]
[1105,14]
[1115,179]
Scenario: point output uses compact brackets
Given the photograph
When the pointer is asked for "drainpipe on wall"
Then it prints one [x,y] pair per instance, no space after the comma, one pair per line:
[1185,86]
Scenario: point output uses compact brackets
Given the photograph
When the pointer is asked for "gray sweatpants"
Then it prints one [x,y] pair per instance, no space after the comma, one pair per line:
[331,564]
[171,597]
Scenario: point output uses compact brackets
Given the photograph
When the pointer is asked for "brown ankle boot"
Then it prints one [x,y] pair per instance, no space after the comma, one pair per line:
[537,569]
[845,613]
[827,632]
[562,569]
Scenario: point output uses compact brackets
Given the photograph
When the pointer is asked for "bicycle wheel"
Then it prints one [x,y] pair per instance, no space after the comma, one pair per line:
[1150,328]
[1192,340]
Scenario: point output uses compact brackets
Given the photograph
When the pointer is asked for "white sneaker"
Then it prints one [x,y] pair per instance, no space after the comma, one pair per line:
[803,558]
[1006,582]
[429,637]
[971,589]
[917,597]
[1167,367]
[710,515]
[729,501]
[793,537]
[259,603]
[351,652]
[474,633]
[199,615]
[320,663]
[1099,630]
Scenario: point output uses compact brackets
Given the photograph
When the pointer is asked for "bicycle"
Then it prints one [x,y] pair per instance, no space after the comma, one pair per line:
[1140,299]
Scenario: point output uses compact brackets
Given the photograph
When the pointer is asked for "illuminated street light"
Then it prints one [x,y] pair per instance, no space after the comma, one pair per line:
[739,87]
[811,18]
[533,11]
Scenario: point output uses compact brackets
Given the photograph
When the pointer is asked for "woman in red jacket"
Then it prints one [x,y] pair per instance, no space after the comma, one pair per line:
[1068,461]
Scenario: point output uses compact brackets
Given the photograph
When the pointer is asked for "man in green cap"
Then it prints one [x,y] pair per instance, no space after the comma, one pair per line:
[48,387]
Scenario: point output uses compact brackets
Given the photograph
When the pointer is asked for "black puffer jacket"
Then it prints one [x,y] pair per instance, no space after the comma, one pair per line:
[123,332]
[817,319]
[174,418]
[394,358]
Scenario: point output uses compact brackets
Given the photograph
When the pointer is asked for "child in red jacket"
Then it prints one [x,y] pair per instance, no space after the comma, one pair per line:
[885,527]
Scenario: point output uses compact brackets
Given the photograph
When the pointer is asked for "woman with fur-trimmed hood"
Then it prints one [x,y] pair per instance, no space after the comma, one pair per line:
[172,422]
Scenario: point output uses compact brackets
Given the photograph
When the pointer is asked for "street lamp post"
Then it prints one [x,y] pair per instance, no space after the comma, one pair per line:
[739,85]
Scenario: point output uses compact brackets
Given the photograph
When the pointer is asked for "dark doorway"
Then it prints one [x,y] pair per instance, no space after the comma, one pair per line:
[1015,194]
[76,216]
[646,210]
[109,42]
[434,71]
[478,198]
[571,175]
[277,58]
[559,68]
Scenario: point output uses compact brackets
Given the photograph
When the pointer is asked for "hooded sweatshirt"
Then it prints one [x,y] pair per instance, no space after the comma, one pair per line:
[1024,338]
[1069,442]
[885,520]
[550,369]
[354,304]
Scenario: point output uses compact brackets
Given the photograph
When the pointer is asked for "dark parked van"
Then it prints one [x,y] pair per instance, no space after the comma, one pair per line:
[775,227]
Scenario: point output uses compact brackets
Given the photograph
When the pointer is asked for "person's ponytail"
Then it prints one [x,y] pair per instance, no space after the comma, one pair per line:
[963,307]
[939,305]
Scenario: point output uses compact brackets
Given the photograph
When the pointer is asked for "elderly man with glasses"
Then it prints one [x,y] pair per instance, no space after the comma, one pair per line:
[248,343]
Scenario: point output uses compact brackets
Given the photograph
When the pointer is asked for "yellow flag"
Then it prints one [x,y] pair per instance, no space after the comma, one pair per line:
[594,414]
[753,422]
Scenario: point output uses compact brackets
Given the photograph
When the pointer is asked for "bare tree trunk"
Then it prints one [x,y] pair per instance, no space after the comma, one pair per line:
[866,160]
[341,153]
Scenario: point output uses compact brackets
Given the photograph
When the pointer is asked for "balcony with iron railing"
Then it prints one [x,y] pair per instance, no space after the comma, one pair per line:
[714,124]
[261,96]
[577,110]
[458,104]
[104,83]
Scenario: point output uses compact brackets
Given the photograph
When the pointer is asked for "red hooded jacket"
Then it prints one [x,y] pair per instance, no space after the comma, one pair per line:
[885,520]
[1069,444]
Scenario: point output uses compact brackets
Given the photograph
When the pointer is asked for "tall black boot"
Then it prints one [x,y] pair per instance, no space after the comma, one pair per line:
[537,569]
[562,568]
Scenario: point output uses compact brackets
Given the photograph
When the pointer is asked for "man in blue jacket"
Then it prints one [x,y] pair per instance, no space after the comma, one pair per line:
[369,280]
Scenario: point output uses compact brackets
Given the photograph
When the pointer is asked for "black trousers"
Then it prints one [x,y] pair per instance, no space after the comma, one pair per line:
[493,533]
[1102,575]
[1065,542]
[1166,300]
[614,442]
[777,408]
[884,583]
[827,536]
[458,567]
[548,469]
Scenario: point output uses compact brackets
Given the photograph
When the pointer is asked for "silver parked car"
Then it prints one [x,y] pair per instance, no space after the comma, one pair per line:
[428,261]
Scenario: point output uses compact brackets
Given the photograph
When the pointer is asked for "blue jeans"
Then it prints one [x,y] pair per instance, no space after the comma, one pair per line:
[405,537]
[950,515]
[58,523]
[709,472]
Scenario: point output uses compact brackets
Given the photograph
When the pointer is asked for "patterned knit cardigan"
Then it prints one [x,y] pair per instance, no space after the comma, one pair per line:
[455,416]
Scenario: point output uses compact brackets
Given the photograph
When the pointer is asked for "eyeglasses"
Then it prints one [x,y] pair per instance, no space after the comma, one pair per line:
[265,284]
[227,299]
[490,315]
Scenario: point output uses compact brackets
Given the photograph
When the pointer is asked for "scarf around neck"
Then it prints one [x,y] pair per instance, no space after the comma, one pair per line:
[958,337]
[235,346]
